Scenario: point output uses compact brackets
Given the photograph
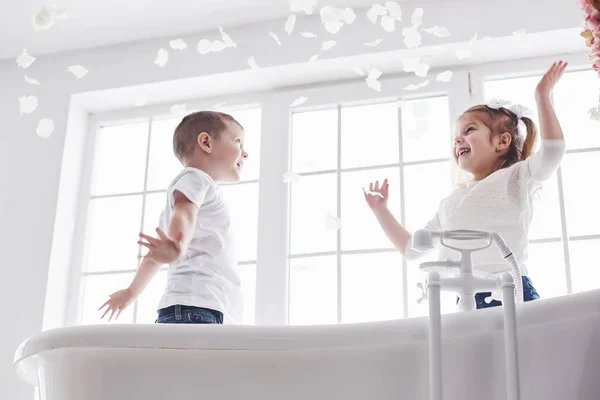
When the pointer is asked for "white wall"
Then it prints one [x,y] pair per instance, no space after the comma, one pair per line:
[30,167]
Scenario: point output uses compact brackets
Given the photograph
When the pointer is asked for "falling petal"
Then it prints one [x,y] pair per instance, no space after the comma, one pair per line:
[27,104]
[299,101]
[217,46]
[438,31]
[388,23]
[445,76]
[358,71]
[204,46]
[178,44]
[332,222]
[45,128]
[375,11]
[417,86]
[333,26]
[520,33]
[417,16]
[178,109]
[227,39]
[32,81]
[412,37]
[374,43]
[162,58]
[410,64]
[78,70]
[328,45]
[291,177]
[275,37]
[313,59]
[372,79]
[303,5]
[461,54]
[141,101]
[308,35]
[24,60]
[394,10]
[422,70]
[46,16]
[349,15]
[290,23]
[252,63]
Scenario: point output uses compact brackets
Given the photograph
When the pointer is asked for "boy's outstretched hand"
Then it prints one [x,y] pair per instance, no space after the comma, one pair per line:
[164,249]
[117,303]
[377,197]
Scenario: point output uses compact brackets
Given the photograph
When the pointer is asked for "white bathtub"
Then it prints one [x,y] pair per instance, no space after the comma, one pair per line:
[559,343]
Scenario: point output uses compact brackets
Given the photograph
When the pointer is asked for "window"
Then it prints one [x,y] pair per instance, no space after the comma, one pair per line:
[566,223]
[353,274]
[133,165]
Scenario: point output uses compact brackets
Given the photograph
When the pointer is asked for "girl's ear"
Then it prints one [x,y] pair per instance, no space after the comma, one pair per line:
[205,142]
[504,141]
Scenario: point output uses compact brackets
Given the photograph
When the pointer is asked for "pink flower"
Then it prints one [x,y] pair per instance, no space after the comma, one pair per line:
[593,24]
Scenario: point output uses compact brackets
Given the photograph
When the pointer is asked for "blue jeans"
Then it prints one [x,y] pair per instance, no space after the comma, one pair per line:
[529,293]
[179,314]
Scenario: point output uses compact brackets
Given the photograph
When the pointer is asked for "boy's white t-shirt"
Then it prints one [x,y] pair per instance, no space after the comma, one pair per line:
[501,203]
[207,276]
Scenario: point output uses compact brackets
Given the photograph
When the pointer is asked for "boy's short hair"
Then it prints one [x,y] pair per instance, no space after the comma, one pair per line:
[186,133]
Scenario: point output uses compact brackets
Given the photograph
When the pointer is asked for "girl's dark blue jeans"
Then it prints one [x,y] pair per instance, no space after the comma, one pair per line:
[179,314]
[529,293]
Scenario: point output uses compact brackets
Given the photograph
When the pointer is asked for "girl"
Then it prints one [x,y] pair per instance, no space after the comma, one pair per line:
[494,144]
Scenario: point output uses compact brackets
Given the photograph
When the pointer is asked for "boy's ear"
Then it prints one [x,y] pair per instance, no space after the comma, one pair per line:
[205,142]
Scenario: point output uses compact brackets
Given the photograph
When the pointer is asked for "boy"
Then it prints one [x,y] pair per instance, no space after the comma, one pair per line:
[203,283]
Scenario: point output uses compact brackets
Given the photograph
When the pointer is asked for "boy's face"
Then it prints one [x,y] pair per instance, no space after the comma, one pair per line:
[228,152]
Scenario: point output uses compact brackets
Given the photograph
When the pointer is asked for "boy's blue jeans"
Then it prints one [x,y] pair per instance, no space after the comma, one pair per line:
[179,314]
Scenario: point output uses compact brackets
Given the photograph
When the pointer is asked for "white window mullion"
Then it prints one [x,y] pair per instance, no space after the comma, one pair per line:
[272,275]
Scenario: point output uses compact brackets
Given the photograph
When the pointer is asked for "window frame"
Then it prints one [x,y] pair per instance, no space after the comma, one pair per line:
[272,263]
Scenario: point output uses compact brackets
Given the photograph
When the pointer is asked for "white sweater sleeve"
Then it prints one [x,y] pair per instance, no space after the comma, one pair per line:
[541,165]
[410,253]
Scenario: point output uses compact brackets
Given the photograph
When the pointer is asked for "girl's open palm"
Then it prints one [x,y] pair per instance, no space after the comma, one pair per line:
[550,78]
[377,197]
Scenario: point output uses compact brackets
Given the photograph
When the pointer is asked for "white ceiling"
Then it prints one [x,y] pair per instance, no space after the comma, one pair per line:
[94,23]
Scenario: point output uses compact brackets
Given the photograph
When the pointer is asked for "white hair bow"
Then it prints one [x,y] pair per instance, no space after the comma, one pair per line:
[521,111]
[497,103]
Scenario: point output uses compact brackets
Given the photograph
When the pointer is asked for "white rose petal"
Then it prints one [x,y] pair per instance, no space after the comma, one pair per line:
[349,15]
[308,35]
[204,46]
[78,70]
[358,71]
[32,81]
[162,58]
[178,44]
[290,23]
[333,26]
[299,101]
[217,46]
[227,39]
[275,38]
[252,63]
[303,5]
[445,76]
[394,10]
[27,104]
[45,128]
[374,43]
[417,17]
[328,45]
[24,60]
[46,16]
[388,23]
[313,59]
[412,37]
[438,31]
